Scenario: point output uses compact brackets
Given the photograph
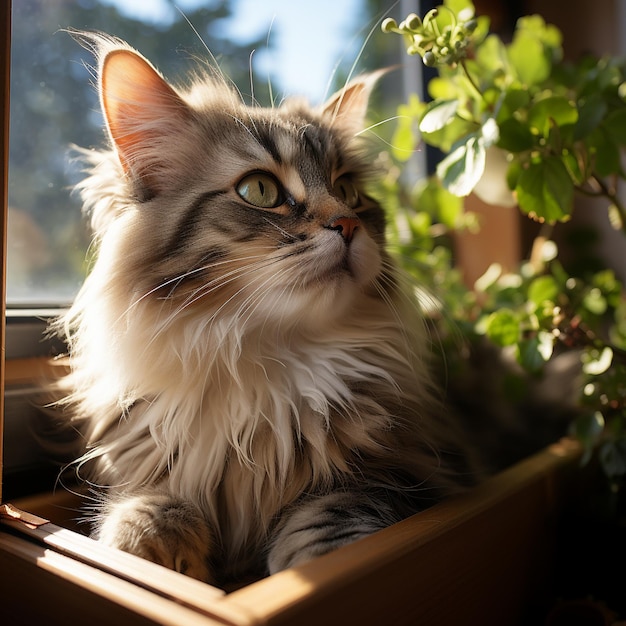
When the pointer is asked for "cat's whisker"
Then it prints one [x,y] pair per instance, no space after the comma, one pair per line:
[252,97]
[241,271]
[392,118]
[201,292]
[247,129]
[204,290]
[213,65]
[269,78]
[291,238]
[181,278]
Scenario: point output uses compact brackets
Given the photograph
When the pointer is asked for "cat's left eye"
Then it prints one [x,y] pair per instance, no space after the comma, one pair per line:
[261,190]
[347,192]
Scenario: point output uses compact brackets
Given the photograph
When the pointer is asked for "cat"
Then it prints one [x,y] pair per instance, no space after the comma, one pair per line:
[250,372]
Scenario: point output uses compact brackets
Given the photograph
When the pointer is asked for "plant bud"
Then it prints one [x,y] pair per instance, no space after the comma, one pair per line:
[429,58]
[389,25]
[413,22]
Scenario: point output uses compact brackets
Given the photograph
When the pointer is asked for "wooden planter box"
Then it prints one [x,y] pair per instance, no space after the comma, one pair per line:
[483,558]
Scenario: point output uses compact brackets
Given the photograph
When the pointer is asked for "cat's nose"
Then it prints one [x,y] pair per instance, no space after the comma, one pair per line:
[346,226]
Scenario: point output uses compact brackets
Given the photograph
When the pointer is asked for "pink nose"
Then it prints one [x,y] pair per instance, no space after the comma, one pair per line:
[346,226]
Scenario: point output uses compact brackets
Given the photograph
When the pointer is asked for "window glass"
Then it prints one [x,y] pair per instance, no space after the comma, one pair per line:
[54,105]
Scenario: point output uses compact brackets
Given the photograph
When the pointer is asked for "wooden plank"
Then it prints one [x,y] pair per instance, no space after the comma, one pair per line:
[35,370]
[41,586]
[79,551]
[483,558]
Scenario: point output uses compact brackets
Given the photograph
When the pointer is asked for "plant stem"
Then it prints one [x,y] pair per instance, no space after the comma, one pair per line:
[470,79]
[610,194]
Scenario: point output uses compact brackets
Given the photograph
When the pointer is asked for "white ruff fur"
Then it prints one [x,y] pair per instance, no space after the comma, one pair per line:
[229,405]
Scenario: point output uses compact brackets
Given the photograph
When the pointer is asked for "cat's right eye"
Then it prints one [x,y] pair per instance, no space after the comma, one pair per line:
[261,190]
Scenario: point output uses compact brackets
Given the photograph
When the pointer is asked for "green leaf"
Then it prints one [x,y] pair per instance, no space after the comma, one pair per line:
[491,54]
[502,327]
[550,112]
[406,135]
[420,224]
[542,289]
[591,112]
[446,138]
[403,141]
[442,89]
[601,144]
[464,166]
[545,190]
[528,355]
[527,58]
[536,26]
[607,282]
[573,167]
[513,173]
[460,5]
[588,428]
[515,136]
[615,124]
[490,132]
[595,302]
[439,113]
[438,202]
[514,100]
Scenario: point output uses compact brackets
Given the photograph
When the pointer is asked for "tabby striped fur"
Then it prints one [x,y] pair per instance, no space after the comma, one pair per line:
[251,382]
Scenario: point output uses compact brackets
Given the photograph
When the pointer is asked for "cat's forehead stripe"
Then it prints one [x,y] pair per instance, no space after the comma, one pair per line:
[268,141]
[298,151]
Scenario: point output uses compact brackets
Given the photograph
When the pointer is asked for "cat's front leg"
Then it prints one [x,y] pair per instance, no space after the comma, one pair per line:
[317,525]
[161,528]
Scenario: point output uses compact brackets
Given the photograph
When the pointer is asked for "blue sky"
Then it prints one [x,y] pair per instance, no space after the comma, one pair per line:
[309,36]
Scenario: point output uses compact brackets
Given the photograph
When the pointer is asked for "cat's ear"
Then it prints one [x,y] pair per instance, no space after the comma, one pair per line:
[141,110]
[348,107]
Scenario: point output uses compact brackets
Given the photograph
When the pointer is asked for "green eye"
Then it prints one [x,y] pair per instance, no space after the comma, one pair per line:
[346,191]
[261,190]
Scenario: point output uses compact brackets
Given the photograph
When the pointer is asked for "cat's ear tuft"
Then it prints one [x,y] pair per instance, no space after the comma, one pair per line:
[141,109]
[348,107]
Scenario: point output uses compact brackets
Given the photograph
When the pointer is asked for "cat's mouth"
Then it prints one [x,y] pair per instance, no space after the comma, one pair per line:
[335,260]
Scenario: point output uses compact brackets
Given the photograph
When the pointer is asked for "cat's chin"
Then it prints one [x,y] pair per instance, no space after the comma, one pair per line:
[325,301]
[319,308]
[338,267]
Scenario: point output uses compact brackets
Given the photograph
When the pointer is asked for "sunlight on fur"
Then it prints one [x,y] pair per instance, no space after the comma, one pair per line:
[250,374]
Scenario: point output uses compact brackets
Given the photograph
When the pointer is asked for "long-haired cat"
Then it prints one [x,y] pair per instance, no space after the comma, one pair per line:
[250,376]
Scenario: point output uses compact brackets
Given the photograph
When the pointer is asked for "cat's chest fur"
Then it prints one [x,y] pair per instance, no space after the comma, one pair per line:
[266,418]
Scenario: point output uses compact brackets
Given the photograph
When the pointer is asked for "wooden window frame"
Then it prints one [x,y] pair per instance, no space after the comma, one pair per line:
[5,75]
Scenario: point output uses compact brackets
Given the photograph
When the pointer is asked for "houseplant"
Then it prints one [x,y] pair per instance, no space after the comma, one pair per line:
[518,125]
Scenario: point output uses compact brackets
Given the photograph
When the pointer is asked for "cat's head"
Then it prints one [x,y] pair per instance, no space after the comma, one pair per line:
[205,203]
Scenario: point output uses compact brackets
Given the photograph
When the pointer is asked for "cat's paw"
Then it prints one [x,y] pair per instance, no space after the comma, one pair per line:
[161,528]
[320,524]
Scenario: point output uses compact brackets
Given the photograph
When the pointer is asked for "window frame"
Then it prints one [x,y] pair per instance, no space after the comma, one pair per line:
[5,74]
